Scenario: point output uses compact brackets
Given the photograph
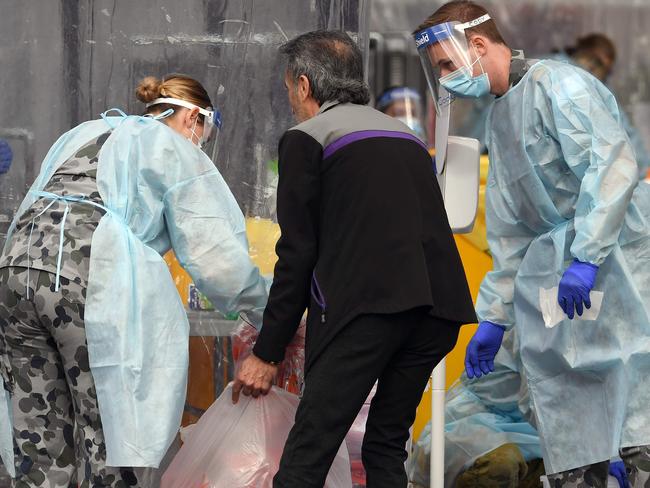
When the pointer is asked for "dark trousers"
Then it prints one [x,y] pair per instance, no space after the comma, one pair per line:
[397,350]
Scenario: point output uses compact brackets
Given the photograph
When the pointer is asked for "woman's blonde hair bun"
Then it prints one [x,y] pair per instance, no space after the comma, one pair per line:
[149,89]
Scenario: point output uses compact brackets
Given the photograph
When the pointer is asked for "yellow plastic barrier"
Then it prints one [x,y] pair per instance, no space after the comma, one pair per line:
[474,253]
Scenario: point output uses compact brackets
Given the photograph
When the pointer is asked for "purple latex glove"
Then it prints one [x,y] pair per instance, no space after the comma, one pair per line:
[481,350]
[617,470]
[6,155]
[575,285]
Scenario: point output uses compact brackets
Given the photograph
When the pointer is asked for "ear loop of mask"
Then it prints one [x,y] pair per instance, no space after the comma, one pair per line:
[469,70]
[468,25]
[199,143]
[168,113]
[477,60]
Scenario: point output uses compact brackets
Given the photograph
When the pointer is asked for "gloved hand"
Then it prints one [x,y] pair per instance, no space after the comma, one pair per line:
[617,470]
[575,285]
[481,350]
[5,156]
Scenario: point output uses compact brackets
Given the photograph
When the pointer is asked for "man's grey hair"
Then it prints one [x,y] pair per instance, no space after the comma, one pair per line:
[333,64]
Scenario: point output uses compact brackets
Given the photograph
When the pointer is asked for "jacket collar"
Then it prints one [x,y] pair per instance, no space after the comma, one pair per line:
[328,105]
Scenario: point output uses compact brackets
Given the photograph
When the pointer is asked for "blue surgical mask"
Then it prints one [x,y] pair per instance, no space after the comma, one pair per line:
[462,84]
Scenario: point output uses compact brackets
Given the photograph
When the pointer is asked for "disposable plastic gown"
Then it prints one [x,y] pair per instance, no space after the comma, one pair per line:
[161,192]
[563,185]
[480,416]
[639,146]
[640,151]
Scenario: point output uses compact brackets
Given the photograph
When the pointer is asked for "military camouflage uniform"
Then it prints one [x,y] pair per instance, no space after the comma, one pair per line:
[36,239]
[592,476]
[637,466]
[58,437]
[504,467]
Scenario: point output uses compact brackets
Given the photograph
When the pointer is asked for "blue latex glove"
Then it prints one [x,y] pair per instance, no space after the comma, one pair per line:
[6,155]
[481,350]
[575,285]
[617,470]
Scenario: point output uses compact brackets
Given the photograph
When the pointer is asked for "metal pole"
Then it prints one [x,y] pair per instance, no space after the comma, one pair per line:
[437,464]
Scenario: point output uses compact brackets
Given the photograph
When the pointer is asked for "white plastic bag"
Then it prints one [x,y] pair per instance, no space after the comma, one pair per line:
[239,446]
[354,441]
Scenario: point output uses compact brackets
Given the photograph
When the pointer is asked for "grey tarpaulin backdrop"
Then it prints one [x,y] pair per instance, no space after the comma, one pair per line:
[63,62]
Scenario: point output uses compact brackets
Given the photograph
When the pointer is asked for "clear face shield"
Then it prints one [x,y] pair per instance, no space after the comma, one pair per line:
[211,126]
[211,122]
[448,62]
[405,104]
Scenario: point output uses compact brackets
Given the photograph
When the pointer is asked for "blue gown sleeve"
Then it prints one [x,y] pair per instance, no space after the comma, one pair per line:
[640,151]
[586,122]
[206,227]
[509,240]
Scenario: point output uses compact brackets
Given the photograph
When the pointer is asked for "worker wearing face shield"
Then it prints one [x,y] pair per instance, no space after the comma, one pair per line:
[405,104]
[567,222]
[93,334]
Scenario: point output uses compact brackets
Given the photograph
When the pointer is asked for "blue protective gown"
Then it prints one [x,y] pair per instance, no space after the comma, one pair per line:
[640,150]
[161,193]
[480,416]
[563,184]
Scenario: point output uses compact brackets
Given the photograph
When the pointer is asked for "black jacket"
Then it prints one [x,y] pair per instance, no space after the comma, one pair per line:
[364,230]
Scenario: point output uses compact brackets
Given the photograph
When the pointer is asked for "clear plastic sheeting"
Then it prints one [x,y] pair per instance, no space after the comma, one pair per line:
[540,26]
[66,62]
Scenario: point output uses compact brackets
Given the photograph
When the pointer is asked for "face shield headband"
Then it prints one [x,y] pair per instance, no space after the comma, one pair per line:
[212,118]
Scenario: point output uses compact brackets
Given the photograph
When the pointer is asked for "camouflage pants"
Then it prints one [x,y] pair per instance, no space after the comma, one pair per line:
[592,476]
[637,465]
[504,467]
[58,437]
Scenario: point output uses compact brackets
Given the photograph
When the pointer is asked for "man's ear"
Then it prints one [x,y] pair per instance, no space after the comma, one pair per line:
[304,88]
[480,44]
